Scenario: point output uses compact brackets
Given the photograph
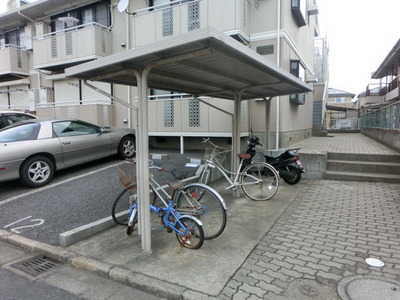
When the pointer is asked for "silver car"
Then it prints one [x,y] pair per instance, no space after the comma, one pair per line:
[33,150]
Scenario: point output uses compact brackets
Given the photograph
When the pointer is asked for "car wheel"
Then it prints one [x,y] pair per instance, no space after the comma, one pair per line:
[126,148]
[37,171]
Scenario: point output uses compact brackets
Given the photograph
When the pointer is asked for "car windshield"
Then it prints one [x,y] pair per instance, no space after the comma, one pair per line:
[24,132]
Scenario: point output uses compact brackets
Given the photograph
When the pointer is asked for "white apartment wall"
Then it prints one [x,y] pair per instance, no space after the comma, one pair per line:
[295,43]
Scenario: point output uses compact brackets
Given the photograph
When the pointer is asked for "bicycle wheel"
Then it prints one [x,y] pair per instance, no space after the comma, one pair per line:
[205,176]
[193,237]
[133,219]
[260,181]
[205,204]
[121,205]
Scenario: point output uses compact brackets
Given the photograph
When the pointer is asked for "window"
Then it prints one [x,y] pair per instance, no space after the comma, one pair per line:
[297,69]
[71,128]
[24,132]
[15,37]
[299,11]
[340,100]
[98,12]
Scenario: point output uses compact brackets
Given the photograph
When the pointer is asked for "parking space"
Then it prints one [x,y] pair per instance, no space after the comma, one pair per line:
[75,199]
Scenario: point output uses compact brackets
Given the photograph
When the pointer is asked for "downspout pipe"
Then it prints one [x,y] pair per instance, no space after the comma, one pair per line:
[278,62]
[26,17]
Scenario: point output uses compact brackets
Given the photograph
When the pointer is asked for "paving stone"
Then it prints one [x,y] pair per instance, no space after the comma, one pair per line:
[240,295]
[255,290]
[270,288]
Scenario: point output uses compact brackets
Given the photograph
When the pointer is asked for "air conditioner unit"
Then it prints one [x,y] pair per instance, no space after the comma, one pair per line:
[44,95]
[32,98]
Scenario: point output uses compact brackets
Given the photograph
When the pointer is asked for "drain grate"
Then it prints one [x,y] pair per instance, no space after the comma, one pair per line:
[35,266]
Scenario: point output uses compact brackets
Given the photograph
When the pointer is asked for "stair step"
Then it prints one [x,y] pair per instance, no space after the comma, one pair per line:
[356,176]
[363,166]
[364,157]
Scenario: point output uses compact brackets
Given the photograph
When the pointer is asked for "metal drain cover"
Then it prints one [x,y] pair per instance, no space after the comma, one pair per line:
[35,266]
[361,287]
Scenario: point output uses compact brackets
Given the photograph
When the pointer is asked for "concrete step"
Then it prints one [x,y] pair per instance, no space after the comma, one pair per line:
[356,176]
[363,166]
[364,157]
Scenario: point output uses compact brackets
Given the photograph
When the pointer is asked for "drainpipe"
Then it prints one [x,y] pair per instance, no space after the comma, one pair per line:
[26,17]
[128,46]
[278,62]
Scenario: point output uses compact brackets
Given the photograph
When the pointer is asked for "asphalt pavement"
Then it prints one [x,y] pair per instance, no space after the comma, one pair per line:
[319,239]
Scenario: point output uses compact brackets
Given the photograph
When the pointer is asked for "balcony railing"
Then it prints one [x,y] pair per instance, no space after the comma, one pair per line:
[14,60]
[70,46]
[178,17]
[376,89]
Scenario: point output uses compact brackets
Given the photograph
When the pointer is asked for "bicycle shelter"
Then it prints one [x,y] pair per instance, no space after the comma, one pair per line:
[203,62]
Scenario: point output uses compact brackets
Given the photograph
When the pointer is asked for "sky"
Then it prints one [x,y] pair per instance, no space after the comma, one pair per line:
[360,34]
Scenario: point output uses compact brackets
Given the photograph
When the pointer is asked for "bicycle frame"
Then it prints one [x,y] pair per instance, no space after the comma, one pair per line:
[165,213]
[233,183]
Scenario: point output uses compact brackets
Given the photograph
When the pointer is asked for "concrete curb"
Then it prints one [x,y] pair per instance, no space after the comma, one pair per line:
[137,280]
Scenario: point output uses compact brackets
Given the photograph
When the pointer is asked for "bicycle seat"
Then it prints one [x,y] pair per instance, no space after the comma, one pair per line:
[179,174]
[175,185]
[244,156]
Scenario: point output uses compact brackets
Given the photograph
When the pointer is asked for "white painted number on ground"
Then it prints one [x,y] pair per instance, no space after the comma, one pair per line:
[33,223]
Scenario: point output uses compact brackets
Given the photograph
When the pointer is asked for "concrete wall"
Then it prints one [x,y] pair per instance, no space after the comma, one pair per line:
[389,138]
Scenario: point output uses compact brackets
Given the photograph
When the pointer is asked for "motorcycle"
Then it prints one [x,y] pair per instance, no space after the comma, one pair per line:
[288,165]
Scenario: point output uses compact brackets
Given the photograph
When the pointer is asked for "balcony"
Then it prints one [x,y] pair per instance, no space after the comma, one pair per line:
[64,48]
[14,63]
[384,92]
[183,115]
[155,23]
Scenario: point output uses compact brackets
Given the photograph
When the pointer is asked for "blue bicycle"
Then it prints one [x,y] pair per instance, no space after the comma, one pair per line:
[197,200]
[188,229]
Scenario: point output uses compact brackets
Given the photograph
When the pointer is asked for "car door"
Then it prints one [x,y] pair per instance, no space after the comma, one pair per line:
[81,142]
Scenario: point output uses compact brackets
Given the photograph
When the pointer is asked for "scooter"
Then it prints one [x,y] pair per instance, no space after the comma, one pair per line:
[288,165]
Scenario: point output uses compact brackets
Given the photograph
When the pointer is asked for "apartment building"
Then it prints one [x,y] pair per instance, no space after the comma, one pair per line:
[38,41]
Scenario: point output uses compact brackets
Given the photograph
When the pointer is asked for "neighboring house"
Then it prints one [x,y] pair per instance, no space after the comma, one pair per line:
[341,110]
[385,90]
[380,104]
[38,41]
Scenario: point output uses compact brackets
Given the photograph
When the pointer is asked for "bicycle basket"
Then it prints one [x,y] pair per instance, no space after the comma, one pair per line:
[127,175]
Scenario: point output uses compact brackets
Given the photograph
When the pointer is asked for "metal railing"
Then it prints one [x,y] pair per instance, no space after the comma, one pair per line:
[71,29]
[376,89]
[387,117]
[11,46]
[161,6]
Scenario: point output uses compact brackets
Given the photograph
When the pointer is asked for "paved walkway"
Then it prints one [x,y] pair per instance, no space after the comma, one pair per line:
[322,238]
[342,143]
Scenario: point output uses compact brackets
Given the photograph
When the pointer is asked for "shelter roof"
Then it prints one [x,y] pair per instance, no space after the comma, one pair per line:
[204,62]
